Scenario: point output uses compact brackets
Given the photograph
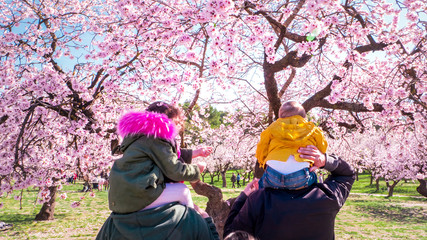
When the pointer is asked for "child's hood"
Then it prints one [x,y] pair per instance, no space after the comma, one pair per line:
[294,128]
[152,124]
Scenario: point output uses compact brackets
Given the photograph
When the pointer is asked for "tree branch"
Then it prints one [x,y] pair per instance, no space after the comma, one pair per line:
[290,59]
[201,69]
[185,62]
[3,119]
[21,132]
[288,82]
[348,106]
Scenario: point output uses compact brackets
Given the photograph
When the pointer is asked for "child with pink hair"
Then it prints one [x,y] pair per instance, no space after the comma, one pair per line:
[152,168]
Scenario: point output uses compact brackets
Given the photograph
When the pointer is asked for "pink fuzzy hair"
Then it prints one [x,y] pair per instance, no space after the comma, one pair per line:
[153,124]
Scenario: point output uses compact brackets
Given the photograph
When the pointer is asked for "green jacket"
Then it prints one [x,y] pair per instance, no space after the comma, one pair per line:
[172,221]
[138,178]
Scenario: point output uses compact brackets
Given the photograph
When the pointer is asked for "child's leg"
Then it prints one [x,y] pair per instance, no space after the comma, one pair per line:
[293,181]
[174,192]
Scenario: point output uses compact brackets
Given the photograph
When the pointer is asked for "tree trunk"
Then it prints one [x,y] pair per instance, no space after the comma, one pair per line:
[357,176]
[377,184]
[271,89]
[216,207]
[47,211]
[422,189]
[372,180]
[390,187]
[224,179]
[246,176]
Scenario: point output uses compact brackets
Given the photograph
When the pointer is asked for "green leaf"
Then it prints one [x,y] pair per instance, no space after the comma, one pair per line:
[310,37]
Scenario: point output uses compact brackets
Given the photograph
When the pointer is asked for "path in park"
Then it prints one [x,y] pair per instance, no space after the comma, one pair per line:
[384,195]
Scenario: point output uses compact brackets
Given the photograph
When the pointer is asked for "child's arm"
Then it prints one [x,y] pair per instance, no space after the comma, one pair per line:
[321,142]
[203,151]
[167,161]
[262,147]
[188,154]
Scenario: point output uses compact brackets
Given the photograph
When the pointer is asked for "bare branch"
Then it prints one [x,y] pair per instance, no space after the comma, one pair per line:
[201,69]
[288,82]
[21,132]
[290,59]
[3,119]
[348,106]
[294,13]
[185,62]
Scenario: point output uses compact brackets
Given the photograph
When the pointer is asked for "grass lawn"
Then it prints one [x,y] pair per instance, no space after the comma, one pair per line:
[364,216]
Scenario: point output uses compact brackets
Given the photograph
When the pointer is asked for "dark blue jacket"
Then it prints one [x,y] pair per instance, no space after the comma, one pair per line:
[294,214]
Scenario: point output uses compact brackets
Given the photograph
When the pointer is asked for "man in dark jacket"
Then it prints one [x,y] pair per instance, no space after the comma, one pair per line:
[307,213]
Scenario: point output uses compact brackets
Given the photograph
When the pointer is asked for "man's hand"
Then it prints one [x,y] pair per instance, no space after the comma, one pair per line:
[251,187]
[312,153]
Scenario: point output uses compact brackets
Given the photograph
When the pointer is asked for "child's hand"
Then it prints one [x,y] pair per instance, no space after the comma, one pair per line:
[202,212]
[202,166]
[202,152]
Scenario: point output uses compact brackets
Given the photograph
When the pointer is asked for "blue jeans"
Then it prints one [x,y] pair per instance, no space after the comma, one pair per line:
[292,181]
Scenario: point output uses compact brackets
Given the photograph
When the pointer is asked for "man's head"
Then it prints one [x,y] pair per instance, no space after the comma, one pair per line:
[291,108]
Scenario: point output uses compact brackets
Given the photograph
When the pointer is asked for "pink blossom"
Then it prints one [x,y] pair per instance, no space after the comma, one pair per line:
[303,47]
[368,103]
[75,204]
[271,59]
[332,99]
[312,46]
[269,50]
[412,16]
[252,39]
[312,6]
[191,56]
[401,93]
[416,6]
[215,66]
[287,12]
[63,196]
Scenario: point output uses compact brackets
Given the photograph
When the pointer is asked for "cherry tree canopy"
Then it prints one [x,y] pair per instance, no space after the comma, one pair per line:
[69,68]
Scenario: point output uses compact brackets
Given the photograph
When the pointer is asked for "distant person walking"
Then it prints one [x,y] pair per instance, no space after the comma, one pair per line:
[238,180]
[233,180]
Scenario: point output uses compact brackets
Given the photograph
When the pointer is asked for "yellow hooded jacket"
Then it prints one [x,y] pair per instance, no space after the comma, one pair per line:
[283,138]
